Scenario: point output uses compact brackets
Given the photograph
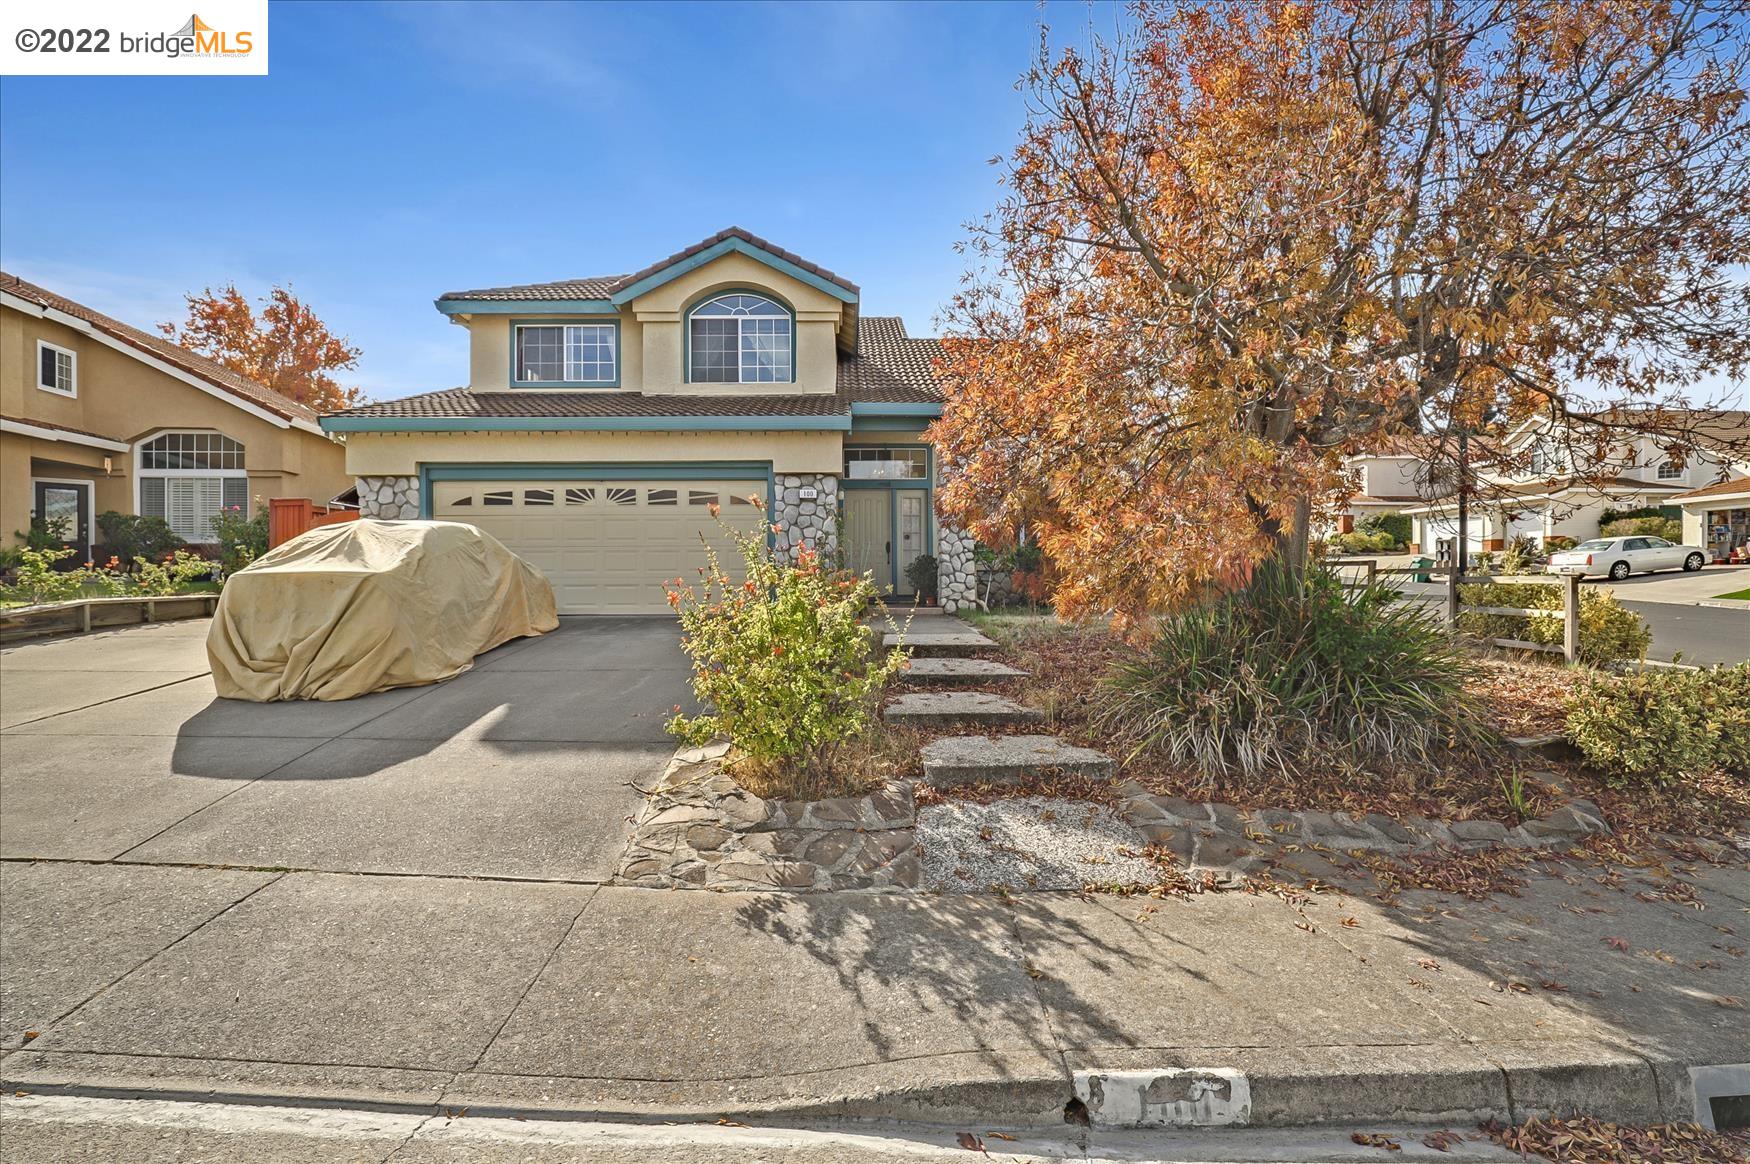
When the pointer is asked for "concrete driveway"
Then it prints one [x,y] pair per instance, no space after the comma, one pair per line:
[527,766]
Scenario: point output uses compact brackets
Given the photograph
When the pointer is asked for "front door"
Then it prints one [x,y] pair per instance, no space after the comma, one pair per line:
[869,535]
[67,504]
[912,532]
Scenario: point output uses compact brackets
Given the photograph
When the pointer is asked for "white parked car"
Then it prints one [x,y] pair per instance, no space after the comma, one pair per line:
[1619,557]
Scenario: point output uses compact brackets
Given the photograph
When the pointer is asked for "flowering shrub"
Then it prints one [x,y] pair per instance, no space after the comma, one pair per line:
[39,581]
[172,575]
[241,538]
[782,659]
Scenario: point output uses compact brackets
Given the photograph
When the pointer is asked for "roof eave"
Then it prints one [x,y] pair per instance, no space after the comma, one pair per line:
[838,422]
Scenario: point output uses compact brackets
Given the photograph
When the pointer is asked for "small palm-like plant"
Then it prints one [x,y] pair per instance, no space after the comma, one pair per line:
[1294,667]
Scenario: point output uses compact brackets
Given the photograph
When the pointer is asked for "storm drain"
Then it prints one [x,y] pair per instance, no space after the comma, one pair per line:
[1189,1097]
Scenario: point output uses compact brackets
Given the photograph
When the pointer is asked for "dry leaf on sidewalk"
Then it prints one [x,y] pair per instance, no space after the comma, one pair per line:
[1375,1140]
[970,1142]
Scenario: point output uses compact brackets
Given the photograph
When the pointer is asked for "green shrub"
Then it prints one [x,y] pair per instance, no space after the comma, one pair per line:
[1609,633]
[1295,668]
[921,573]
[783,661]
[1521,556]
[133,538]
[1669,528]
[1376,542]
[1610,515]
[1396,524]
[1657,726]
[46,533]
[39,578]
[173,575]
[1557,542]
[241,539]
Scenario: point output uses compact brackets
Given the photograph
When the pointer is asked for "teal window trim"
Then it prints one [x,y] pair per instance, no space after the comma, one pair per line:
[560,322]
[926,484]
[732,246]
[526,306]
[610,471]
[907,424]
[687,332]
[586,424]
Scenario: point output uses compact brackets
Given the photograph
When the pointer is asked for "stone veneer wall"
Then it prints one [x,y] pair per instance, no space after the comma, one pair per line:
[956,571]
[811,522]
[389,498]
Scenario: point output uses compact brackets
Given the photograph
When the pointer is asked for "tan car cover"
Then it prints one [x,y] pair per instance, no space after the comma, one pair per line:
[364,606]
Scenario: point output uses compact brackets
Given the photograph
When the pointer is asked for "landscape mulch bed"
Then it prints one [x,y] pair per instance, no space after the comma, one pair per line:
[1522,697]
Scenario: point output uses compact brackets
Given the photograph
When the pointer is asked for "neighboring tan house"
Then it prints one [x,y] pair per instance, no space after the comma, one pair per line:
[1389,479]
[1548,499]
[96,416]
[605,417]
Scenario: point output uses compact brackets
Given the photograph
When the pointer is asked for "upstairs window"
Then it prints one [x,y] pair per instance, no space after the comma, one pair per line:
[57,369]
[740,339]
[570,353]
[1670,471]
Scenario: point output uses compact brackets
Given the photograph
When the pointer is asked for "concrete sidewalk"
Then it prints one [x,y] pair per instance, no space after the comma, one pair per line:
[519,998]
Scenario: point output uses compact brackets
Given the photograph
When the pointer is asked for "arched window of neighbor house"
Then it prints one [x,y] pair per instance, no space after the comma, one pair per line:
[740,338]
[186,478]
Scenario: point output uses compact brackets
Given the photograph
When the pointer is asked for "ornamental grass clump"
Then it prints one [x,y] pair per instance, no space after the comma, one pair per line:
[784,662]
[1294,670]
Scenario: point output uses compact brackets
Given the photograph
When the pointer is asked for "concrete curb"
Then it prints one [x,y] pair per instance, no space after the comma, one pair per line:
[1440,1084]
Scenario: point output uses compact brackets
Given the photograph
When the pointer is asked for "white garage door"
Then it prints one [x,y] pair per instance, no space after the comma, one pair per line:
[607,546]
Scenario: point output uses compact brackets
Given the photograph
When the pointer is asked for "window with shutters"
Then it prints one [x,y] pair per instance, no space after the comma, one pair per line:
[186,478]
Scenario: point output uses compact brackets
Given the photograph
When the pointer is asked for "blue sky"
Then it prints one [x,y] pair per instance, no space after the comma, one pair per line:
[396,151]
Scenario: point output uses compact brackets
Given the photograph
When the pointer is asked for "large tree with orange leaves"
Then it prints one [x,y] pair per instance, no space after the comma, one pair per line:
[1242,239]
[286,347]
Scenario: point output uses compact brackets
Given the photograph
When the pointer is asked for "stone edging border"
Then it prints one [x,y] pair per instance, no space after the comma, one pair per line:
[699,829]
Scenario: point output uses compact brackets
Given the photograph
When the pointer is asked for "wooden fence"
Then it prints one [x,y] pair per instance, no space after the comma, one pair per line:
[287,517]
[1456,606]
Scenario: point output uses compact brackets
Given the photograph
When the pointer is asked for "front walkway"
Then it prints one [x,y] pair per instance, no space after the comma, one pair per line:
[396,901]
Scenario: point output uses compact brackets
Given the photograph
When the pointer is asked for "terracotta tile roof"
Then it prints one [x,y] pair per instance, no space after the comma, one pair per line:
[746,237]
[890,367]
[195,365]
[1730,485]
[589,287]
[602,286]
[34,423]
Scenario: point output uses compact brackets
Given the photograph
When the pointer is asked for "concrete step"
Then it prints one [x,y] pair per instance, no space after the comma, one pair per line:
[951,670]
[981,759]
[958,707]
[939,642]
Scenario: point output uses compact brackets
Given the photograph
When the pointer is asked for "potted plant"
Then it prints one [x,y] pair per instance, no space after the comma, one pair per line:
[921,573]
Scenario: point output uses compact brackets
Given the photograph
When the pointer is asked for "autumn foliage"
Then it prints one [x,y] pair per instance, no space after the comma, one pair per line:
[1241,240]
[285,347]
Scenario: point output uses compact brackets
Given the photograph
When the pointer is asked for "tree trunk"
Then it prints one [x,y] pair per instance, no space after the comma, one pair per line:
[1289,549]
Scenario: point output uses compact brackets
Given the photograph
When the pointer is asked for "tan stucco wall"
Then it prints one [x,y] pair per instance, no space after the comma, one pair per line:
[125,400]
[392,454]
[651,339]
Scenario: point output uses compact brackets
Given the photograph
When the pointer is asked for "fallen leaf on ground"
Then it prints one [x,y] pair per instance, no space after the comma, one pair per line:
[726,1122]
[1375,1140]
[1001,1136]
[1442,1141]
[970,1142]
[1617,944]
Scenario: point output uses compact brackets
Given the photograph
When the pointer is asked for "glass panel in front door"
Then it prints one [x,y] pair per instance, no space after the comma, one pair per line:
[869,535]
[911,531]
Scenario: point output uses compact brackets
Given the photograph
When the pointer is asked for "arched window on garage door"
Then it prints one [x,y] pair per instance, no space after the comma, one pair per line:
[186,478]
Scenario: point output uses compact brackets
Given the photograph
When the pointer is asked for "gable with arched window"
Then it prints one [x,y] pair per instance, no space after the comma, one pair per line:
[741,338]
[188,477]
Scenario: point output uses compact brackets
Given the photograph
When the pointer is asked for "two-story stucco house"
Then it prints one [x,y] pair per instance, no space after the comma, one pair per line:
[1389,478]
[1550,497]
[96,415]
[605,416]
